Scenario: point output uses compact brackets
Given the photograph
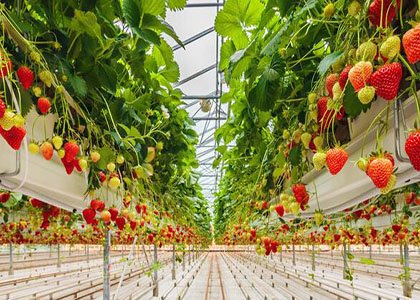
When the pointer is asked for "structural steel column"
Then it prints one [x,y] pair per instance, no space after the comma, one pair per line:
[189,255]
[294,255]
[11,270]
[345,260]
[58,256]
[107,246]
[406,285]
[155,272]
[313,257]
[173,263]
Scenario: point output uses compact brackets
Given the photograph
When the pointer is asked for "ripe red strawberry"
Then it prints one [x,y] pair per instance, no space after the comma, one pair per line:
[14,136]
[120,221]
[329,83]
[386,80]
[360,74]
[37,203]
[381,12]
[336,159]
[133,225]
[26,77]
[68,165]
[411,43]
[2,108]
[344,76]
[77,165]
[412,148]
[44,105]
[97,204]
[325,115]
[47,150]
[4,197]
[114,213]
[280,210]
[71,148]
[299,191]
[89,215]
[380,170]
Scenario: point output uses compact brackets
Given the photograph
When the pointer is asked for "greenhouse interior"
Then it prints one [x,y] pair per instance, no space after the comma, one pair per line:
[209,149]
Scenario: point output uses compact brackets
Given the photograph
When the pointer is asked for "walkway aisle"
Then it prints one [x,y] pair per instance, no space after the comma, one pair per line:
[214,281]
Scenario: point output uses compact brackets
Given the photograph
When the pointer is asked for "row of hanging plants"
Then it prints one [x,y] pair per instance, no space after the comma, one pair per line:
[301,75]
[31,221]
[98,75]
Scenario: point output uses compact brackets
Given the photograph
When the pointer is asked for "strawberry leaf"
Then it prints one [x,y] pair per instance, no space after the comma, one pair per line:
[328,60]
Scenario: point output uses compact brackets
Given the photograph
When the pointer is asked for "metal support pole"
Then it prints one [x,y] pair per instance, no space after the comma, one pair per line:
[107,266]
[407,288]
[58,256]
[313,257]
[183,260]
[11,270]
[281,254]
[401,255]
[189,255]
[155,272]
[87,252]
[294,255]
[173,263]
[345,260]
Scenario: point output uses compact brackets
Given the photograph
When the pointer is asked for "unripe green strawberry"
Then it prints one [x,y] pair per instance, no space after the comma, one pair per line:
[110,167]
[83,164]
[18,120]
[366,94]
[306,139]
[284,197]
[61,153]
[294,208]
[35,56]
[329,10]
[33,148]
[37,91]
[57,142]
[312,98]
[120,159]
[114,182]
[354,8]
[391,47]
[367,51]
[390,185]
[159,146]
[46,77]
[362,164]
[318,217]
[319,160]
[286,134]
[7,121]
[337,91]
[318,142]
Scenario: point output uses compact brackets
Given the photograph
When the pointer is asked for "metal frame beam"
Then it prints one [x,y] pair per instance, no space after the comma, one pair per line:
[195,75]
[192,5]
[194,38]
